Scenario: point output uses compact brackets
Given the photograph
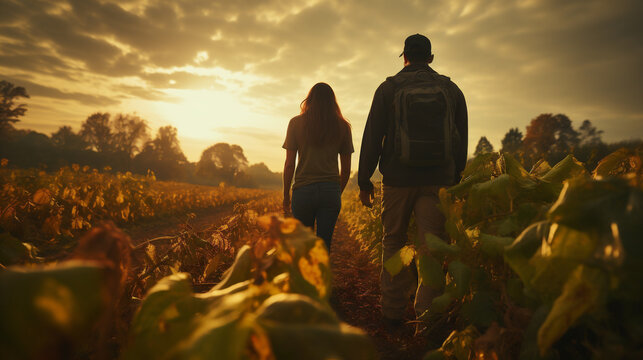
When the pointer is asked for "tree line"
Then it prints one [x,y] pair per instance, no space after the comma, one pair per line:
[122,142]
[551,137]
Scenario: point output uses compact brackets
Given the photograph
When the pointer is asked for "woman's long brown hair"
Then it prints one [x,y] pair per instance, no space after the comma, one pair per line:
[324,121]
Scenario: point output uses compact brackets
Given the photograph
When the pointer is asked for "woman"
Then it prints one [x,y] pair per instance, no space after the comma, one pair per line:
[317,136]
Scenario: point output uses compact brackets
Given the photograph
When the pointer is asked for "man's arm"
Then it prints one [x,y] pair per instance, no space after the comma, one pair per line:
[462,124]
[374,133]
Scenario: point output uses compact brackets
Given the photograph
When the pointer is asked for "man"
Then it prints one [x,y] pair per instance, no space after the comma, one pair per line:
[411,113]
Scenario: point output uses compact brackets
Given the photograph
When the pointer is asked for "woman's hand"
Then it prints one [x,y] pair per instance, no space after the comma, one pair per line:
[286,205]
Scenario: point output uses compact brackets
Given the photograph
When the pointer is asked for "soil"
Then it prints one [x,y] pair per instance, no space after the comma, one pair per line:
[356,293]
[356,299]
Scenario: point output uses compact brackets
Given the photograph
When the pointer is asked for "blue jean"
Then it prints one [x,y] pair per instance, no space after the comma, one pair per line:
[318,203]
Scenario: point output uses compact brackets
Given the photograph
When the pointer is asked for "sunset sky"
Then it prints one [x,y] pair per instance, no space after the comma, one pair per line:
[236,71]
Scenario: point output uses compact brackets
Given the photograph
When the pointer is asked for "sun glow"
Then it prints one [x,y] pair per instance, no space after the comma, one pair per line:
[200,112]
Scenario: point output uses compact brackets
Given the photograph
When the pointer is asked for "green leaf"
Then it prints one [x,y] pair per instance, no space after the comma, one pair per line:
[481,310]
[318,341]
[441,303]
[12,250]
[581,293]
[435,355]
[540,168]
[517,254]
[173,322]
[595,203]
[515,290]
[561,250]
[241,269]
[490,197]
[399,260]
[295,309]
[42,308]
[494,245]
[462,189]
[616,163]
[436,245]
[529,348]
[482,164]
[567,168]
[513,168]
[430,272]
[525,215]
[461,274]
[460,344]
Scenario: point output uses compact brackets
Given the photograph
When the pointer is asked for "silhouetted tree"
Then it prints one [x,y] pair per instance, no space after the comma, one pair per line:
[566,136]
[129,133]
[222,162]
[9,111]
[28,148]
[259,175]
[163,155]
[589,134]
[512,142]
[66,138]
[96,131]
[549,136]
[484,146]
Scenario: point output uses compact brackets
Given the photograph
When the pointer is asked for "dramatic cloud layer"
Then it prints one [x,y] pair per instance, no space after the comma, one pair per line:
[236,71]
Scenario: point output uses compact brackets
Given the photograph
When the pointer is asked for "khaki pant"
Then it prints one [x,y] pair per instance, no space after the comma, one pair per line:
[397,205]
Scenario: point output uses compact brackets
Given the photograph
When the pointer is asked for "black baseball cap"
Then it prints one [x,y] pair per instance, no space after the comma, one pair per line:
[417,44]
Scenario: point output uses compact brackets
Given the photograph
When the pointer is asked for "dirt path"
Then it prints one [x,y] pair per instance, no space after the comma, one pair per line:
[356,298]
[355,286]
[171,225]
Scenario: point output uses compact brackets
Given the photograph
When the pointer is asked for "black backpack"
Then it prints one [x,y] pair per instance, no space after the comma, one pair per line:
[425,130]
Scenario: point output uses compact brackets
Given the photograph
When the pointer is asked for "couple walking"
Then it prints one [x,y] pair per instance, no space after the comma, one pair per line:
[416,130]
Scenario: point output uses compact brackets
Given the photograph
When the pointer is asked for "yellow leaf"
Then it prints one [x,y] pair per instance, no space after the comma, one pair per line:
[284,256]
[51,226]
[319,254]
[125,213]
[581,293]
[312,273]
[42,197]
[120,198]
[77,223]
[288,226]
[406,254]
[213,264]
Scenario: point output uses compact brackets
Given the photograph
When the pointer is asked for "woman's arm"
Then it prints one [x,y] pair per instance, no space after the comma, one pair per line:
[345,172]
[289,170]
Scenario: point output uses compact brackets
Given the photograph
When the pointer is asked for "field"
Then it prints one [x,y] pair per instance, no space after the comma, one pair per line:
[539,264]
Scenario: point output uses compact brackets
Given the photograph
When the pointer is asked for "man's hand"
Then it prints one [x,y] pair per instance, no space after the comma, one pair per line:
[367,196]
[286,205]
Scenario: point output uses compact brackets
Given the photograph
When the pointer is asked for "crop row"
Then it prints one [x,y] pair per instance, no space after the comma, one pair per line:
[538,264]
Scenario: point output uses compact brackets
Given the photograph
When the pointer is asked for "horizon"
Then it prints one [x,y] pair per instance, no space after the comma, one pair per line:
[236,73]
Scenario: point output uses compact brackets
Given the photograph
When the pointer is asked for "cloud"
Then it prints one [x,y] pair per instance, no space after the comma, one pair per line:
[34,89]
[512,59]
[145,93]
[250,134]
[180,80]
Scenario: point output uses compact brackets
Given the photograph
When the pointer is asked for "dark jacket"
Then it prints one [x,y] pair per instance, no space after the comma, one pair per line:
[378,144]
